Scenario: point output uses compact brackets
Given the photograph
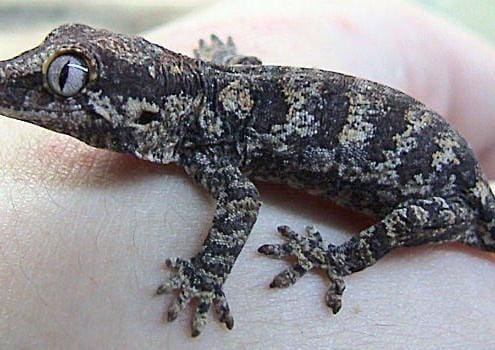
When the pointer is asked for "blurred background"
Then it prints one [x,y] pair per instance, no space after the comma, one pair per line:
[23,23]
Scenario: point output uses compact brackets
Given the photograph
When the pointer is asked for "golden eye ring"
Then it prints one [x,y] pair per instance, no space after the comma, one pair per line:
[67,71]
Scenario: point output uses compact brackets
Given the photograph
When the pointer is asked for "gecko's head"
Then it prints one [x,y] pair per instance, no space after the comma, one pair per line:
[102,88]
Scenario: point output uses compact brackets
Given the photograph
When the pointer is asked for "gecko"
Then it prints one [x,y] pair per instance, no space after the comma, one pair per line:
[229,120]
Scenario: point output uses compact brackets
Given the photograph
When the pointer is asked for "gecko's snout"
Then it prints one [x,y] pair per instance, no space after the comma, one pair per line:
[32,84]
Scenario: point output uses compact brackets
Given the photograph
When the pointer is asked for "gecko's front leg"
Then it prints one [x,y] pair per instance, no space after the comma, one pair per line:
[202,277]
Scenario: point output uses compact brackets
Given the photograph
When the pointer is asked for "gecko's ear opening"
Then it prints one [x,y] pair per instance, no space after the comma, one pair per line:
[67,72]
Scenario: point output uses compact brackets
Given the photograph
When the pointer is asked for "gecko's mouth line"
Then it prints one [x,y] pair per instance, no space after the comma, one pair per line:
[5,104]
[13,113]
[31,115]
[7,110]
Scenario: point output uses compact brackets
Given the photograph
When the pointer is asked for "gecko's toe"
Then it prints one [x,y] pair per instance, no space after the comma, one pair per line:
[333,298]
[286,232]
[290,275]
[176,307]
[168,286]
[277,251]
[222,309]
[200,318]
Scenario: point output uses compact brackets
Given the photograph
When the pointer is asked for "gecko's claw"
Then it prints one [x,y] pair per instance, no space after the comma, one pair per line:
[192,282]
[310,253]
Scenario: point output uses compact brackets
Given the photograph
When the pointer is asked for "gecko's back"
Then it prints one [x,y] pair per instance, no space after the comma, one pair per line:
[360,143]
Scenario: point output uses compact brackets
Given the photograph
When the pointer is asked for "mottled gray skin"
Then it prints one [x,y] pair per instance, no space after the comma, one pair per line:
[227,120]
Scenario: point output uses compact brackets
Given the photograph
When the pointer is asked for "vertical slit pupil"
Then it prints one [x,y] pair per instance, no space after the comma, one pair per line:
[64,75]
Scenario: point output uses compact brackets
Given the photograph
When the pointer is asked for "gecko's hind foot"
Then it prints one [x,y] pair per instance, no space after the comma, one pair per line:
[192,282]
[310,253]
[222,53]
[216,49]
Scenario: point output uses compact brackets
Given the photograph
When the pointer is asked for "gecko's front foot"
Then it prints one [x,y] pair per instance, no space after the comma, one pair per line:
[193,282]
[310,253]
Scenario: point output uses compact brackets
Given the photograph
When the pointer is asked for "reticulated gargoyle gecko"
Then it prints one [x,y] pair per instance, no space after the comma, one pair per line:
[228,120]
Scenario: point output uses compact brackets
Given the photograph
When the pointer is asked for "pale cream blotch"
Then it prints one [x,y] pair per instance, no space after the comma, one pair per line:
[359,127]
[300,121]
[135,107]
[446,155]
[211,123]
[236,99]
[103,106]
[158,139]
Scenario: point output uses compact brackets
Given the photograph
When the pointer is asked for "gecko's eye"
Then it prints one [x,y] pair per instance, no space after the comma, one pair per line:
[67,74]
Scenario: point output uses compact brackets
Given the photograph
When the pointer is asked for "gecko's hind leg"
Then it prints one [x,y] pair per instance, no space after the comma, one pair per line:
[221,53]
[416,222]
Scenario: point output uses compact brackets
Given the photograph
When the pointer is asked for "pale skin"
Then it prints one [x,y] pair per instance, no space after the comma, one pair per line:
[84,232]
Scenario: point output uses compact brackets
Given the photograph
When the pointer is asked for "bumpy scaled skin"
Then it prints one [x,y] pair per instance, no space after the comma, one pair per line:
[230,120]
